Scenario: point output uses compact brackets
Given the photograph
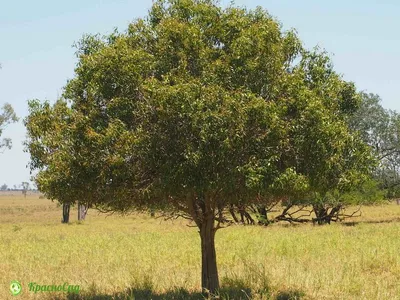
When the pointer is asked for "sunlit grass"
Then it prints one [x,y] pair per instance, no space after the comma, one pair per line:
[155,259]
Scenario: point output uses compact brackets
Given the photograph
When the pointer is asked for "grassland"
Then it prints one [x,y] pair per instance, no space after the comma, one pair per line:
[138,257]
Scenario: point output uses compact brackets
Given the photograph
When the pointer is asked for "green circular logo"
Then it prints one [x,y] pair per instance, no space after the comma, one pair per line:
[15,288]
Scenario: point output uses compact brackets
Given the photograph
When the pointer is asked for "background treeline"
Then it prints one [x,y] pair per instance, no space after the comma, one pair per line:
[379,128]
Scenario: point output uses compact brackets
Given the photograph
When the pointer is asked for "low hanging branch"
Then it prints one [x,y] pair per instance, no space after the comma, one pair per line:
[343,216]
[291,217]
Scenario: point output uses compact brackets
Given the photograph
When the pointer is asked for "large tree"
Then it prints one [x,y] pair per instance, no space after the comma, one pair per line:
[193,110]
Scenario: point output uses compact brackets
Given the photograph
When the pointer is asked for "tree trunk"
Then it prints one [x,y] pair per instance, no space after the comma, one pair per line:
[66,208]
[209,271]
[334,214]
[203,212]
[321,214]
[232,212]
[262,215]
[82,210]
[248,217]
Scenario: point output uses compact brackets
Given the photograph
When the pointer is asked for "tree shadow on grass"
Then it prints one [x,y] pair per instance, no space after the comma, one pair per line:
[290,295]
[234,290]
[354,223]
[149,294]
[134,293]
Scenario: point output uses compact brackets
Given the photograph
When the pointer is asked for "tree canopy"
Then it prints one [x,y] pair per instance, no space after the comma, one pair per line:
[195,108]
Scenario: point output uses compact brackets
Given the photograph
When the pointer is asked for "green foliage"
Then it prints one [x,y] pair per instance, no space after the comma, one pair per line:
[380,129]
[196,99]
[60,149]
[367,193]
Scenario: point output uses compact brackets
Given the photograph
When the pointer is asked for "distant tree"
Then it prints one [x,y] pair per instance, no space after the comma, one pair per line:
[4,187]
[25,188]
[7,116]
[380,128]
[192,111]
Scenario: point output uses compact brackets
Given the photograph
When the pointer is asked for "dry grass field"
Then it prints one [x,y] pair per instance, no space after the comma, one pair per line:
[137,257]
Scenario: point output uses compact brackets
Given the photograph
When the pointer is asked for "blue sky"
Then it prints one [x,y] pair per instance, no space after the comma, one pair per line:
[37,57]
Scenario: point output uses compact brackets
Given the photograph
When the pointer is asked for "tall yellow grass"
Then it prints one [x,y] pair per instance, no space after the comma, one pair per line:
[138,257]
